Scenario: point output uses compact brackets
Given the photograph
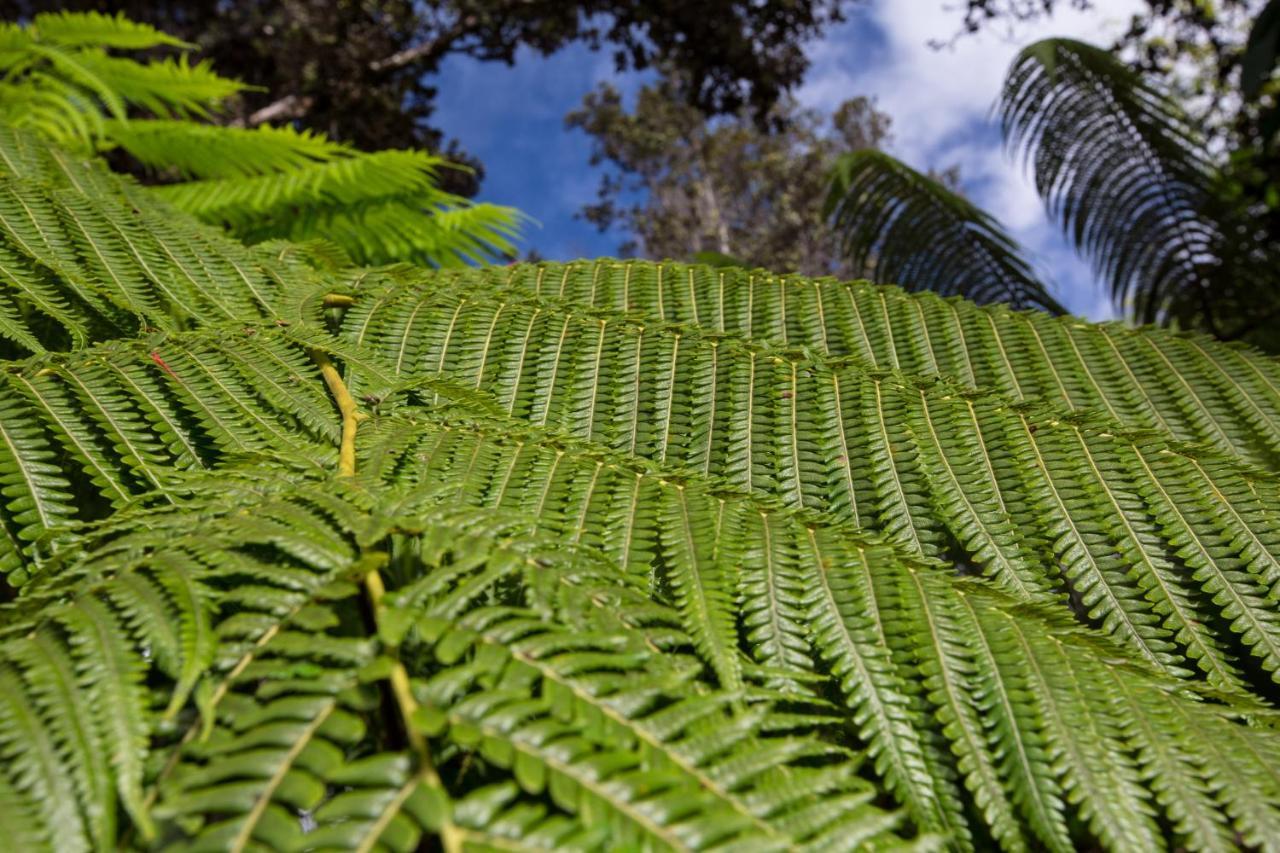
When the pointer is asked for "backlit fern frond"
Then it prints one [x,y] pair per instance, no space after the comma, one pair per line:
[94,29]
[214,152]
[61,80]
[378,207]
[263,182]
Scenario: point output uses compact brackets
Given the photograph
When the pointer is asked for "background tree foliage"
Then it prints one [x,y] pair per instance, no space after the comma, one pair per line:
[683,183]
[360,71]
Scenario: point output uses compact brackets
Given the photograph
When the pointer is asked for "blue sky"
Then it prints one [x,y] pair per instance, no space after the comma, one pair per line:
[512,118]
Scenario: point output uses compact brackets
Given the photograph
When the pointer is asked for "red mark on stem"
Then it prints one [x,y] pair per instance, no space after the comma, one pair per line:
[155,356]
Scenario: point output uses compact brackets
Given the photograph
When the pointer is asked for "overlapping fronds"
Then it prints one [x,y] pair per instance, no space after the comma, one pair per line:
[86,258]
[906,228]
[60,81]
[1123,170]
[1002,486]
[378,207]
[611,554]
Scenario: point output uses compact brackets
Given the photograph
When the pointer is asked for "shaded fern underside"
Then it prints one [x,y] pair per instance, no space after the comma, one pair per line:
[672,556]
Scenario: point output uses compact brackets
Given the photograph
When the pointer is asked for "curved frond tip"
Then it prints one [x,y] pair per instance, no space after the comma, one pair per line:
[1123,171]
[907,229]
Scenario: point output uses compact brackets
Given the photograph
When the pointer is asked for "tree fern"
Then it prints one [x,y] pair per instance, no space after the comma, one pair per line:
[1122,169]
[263,183]
[610,554]
[887,211]
[1132,186]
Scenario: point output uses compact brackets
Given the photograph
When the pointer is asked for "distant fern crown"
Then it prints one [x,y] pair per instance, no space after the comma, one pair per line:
[609,555]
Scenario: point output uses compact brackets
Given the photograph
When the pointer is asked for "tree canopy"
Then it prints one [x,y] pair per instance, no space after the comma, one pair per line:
[722,185]
[361,72]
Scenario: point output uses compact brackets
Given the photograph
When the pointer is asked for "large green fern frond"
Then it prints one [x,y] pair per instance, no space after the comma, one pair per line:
[610,554]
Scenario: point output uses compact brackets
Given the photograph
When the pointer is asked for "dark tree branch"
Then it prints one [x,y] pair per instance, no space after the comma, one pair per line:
[434,49]
[282,109]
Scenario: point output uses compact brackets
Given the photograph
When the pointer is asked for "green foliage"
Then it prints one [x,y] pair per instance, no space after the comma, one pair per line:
[262,183]
[625,555]
[61,81]
[366,72]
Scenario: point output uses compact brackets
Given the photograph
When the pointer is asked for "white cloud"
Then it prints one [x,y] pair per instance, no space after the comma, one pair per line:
[940,101]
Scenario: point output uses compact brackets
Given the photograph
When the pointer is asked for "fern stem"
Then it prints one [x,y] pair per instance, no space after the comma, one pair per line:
[338,300]
[451,837]
[398,679]
[351,418]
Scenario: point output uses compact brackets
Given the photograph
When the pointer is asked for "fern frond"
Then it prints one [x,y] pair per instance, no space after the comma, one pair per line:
[217,152]
[1122,169]
[703,766]
[51,107]
[62,82]
[77,672]
[94,29]
[451,451]
[379,207]
[908,229]
[37,498]
[700,776]
[1180,384]
[82,266]
[165,87]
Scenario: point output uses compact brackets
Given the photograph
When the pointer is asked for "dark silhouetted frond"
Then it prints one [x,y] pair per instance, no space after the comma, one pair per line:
[1122,169]
[907,229]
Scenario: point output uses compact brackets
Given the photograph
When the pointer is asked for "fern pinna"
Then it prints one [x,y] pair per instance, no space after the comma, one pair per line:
[609,555]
